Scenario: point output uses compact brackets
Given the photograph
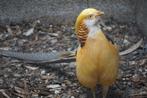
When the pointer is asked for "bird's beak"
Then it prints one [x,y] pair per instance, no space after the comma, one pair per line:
[100,13]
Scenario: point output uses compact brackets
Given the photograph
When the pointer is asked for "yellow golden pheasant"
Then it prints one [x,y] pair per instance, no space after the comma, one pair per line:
[97,59]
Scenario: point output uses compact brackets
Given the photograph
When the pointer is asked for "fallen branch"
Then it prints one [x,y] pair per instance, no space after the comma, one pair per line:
[132,48]
[4,93]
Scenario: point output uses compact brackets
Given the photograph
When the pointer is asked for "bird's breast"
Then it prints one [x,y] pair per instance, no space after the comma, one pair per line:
[95,59]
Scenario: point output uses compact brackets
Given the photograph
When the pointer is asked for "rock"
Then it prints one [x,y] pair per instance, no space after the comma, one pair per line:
[1,81]
[72,65]
[54,86]
[72,97]
[126,42]
[57,91]
[17,75]
[53,41]
[29,32]
[135,78]
[43,72]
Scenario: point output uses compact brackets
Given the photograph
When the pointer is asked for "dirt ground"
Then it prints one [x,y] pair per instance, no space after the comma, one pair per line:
[21,80]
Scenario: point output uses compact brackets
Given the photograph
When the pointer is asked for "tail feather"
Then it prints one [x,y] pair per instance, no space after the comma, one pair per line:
[38,57]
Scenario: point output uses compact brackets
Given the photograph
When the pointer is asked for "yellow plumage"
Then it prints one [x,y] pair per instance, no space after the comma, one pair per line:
[97,60]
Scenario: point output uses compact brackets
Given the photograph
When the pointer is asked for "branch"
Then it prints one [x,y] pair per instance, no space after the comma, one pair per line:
[132,48]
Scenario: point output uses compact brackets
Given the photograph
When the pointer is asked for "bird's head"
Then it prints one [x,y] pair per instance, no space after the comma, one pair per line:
[87,19]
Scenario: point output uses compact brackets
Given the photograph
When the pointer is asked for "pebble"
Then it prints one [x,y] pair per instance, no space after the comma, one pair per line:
[6,75]
[18,30]
[54,86]
[35,96]
[9,30]
[72,97]
[53,41]
[21,42]
[123,79]
[129,83]
[135,78]
[1,81]
[140,70]
[144,74]
[51,26]
[29,32]
[128,75]
[127,78]
[122,26]
[65,96]
[57,91]
[126,42]
[72,65]
[109,28]
[43,72]
[42,33]
[17,75]
[63,85]
[124,83]
[132,62]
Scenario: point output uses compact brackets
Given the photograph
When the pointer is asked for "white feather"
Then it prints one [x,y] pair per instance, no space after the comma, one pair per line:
[93,29]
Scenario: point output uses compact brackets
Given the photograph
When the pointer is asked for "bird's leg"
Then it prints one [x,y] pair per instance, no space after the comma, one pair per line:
[94,93]
[105,91]
[93,90]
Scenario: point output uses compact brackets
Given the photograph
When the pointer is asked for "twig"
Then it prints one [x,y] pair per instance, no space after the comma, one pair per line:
[3,92]
[132,48]
[26,95]
[143,95]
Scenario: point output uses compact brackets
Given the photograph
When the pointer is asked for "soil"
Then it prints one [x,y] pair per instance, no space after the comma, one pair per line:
[21,80]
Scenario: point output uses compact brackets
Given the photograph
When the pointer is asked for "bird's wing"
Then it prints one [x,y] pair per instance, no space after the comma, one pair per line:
[109,39]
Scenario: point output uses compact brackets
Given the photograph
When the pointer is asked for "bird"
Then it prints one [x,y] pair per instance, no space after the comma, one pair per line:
[97,58]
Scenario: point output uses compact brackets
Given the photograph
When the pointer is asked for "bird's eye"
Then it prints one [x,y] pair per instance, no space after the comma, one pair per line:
[90,16]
